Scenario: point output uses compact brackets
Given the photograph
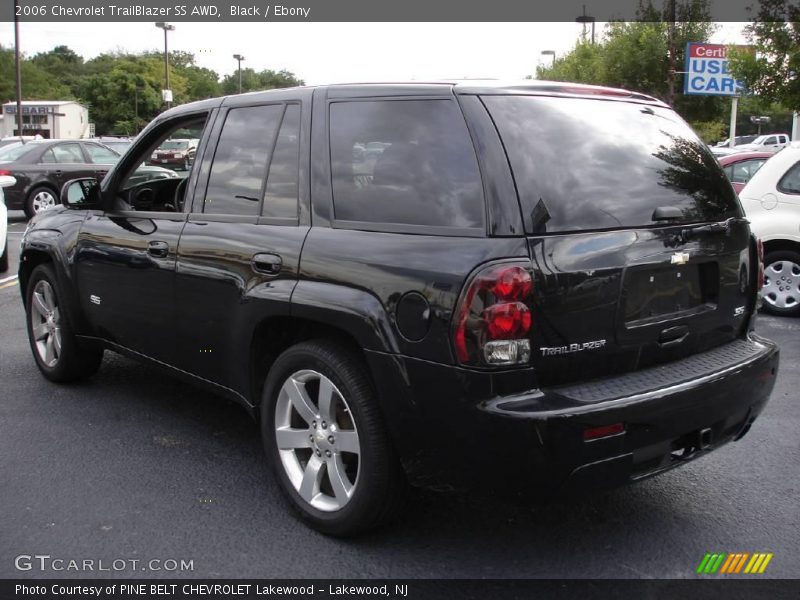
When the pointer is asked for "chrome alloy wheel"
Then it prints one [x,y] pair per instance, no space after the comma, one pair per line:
[782,284]
[43,200]
[45,323]
[317,440]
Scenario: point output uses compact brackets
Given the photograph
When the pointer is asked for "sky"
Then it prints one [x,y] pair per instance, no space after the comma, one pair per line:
[322,53]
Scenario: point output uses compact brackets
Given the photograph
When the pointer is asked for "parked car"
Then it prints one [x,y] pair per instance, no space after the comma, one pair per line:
[771,200]
[471,311]
[178,153]
[41,167]
[771,142]
[738,140]
[740,167]
[118,144]
[5,181]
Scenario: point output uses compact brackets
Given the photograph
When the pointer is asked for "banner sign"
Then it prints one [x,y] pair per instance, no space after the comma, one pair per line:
[707,72]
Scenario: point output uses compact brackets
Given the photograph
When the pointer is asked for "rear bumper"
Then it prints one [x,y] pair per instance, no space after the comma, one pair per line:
[457,429]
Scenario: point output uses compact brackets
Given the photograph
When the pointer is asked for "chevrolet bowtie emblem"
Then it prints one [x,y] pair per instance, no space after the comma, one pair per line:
[680,258]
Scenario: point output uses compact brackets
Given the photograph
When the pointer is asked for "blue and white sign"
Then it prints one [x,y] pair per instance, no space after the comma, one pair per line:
[707,72]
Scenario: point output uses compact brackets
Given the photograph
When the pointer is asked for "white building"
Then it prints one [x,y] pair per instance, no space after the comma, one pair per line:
[51,119]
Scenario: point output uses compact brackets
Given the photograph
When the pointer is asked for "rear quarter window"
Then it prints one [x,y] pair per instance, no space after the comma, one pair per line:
[582,164]
[404,162]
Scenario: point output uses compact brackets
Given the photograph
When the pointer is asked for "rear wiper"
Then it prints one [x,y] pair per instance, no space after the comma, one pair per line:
[723,226]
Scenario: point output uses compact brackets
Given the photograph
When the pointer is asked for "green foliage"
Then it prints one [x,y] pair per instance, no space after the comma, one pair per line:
[123,90]
[710,131]
[635,55]
[262,80]
[773,70]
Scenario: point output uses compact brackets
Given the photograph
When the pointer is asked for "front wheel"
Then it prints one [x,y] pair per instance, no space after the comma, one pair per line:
[781,291]
[326,441]
[55,348]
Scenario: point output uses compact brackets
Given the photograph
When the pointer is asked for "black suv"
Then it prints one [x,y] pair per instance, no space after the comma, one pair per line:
[535,288]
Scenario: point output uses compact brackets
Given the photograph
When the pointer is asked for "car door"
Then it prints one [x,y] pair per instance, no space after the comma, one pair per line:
[64,161]
[125,264]
[239,252]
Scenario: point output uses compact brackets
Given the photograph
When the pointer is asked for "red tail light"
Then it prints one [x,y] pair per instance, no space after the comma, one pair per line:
[494,318]
[4,173]
[760,249]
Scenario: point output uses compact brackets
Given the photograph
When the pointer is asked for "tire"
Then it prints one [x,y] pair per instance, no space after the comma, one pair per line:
[781,292]
[41,198]
[55,348]
[4,259]
[372,487]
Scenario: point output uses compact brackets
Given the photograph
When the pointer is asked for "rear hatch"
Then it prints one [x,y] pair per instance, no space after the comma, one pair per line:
[637,241]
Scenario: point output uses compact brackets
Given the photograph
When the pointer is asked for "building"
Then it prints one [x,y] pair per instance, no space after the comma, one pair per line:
[65,119]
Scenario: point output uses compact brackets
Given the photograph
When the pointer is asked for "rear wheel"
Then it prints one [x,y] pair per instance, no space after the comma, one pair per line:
[40,198]
[326,441]
[55,348]
[781,292]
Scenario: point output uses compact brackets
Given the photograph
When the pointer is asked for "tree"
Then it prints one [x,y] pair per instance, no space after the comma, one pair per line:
[773,70]
[262,80]
[643,56]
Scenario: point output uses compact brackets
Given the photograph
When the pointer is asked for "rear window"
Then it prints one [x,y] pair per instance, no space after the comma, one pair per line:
[596,164]
[404,162]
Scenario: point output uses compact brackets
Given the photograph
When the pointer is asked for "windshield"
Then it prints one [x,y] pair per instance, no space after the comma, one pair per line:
[174,145]
[12,153]
[599,164]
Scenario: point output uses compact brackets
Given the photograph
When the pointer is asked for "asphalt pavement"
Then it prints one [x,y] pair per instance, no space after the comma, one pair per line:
[135,466]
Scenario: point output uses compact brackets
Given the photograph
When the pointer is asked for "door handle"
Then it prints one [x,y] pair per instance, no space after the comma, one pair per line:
[158,249]
[672,336]
[269,264]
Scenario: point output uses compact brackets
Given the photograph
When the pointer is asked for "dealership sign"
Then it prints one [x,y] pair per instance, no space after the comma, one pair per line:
[707,71]
[31,110]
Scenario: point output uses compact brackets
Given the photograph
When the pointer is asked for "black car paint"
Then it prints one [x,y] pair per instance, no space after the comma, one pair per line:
[206,306]
[31,173]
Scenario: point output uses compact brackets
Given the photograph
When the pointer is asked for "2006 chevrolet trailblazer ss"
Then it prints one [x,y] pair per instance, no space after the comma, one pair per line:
[540,288]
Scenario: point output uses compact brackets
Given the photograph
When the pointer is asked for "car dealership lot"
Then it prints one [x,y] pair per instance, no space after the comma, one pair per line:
[135,465]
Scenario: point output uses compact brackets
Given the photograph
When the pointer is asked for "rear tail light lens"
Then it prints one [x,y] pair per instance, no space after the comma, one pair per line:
[4,173]
[760,250]
[493,319]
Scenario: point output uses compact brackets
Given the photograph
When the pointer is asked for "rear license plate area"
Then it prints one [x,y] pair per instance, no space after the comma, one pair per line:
[651,294]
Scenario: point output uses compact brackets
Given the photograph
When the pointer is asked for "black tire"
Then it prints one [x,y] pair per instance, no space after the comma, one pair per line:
[29,208]
[380,491]
[782,264]
[74,361]
[4,259]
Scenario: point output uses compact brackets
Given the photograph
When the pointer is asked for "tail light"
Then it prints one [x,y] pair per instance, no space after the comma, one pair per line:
[5,173]
[760,251]
[493,319]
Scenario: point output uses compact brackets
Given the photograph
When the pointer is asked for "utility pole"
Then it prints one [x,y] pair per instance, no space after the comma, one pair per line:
[671,53]
[167,94]
[18,70]
[239,58]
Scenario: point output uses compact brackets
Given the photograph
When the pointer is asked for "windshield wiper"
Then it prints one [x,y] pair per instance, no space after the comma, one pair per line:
[720,227]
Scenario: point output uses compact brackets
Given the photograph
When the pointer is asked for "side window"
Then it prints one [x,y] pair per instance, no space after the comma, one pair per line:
[407,162]
[101,155]
[48,157]
[790,182]
[236,182]
[280,198]
[63,153]
[743,171]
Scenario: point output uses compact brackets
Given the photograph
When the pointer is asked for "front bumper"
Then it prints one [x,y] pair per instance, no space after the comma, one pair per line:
[457,429]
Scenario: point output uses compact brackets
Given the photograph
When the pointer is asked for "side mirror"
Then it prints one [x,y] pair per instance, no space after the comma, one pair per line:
[81,193]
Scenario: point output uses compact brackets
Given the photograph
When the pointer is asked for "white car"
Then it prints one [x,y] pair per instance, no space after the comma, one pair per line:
[771,200]
[5,181]
[771,142]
